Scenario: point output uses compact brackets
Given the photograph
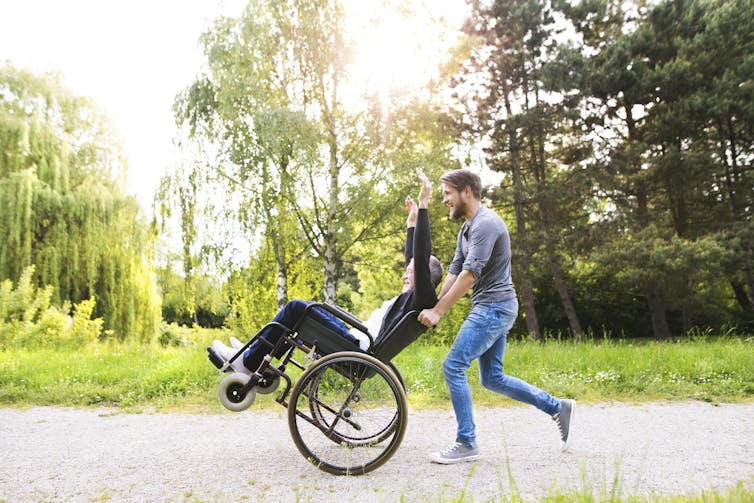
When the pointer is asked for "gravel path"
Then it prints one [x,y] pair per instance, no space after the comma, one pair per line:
[60,454]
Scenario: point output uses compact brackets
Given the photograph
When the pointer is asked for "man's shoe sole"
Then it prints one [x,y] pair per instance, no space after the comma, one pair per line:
[447,461]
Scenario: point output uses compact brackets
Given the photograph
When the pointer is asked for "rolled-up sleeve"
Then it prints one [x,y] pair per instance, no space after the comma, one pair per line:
[456,266]
[482,239]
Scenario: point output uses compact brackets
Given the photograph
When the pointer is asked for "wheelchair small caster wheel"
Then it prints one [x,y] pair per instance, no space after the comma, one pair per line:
[232,395]
[268,384]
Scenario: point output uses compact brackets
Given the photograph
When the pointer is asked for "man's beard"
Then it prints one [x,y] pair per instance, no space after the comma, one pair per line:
[456,213]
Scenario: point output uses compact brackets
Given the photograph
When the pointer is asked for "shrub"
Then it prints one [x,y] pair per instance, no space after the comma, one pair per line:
[27,318]
[171,335]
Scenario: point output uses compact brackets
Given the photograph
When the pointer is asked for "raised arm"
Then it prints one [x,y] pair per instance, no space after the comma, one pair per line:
[424,289]
[413,210]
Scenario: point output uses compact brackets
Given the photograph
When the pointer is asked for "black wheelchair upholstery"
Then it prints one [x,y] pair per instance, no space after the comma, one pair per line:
[404,333]
[327,341]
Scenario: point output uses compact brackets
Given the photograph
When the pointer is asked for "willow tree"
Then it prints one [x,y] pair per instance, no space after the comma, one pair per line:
[64,207]
[303,164]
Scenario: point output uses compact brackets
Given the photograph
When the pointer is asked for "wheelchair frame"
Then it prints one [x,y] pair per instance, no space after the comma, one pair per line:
[347,412]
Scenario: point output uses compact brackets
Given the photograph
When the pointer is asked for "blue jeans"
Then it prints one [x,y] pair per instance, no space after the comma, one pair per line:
[483,335]
[288,315]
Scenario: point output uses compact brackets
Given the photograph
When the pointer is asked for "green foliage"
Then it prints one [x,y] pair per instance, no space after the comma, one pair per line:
[210,305]
[628,152]
[687,272]
[65,211]
[252,294]
[312,177]
[27,318]
[171,334]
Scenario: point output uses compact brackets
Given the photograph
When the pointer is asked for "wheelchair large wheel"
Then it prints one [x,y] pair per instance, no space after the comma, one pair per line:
[321,414]
[347,413]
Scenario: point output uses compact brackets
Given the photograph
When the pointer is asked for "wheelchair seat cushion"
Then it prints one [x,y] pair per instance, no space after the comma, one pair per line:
[324,339]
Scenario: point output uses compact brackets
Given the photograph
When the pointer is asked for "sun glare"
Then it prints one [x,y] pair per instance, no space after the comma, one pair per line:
[400,45]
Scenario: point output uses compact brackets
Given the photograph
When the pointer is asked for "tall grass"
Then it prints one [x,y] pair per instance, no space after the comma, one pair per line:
[128,375]
[703,368]
[110,373]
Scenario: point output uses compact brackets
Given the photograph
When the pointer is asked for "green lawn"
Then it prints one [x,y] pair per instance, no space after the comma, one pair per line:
[716,369]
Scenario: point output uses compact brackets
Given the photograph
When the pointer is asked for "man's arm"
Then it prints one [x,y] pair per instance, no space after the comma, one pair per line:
[449,280]
[459,286]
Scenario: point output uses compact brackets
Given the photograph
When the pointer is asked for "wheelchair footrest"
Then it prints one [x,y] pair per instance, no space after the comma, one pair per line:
[216,359]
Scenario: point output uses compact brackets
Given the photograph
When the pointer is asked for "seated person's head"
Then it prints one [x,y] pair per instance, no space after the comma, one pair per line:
[435,273]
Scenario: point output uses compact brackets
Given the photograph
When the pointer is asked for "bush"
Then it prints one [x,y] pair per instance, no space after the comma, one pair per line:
[171,335]
[27,318]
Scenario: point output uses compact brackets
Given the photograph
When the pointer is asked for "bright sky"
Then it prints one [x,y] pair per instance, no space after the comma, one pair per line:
[133,57]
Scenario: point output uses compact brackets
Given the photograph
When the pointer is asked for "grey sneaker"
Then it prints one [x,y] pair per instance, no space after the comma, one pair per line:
[564,420]
[456,453]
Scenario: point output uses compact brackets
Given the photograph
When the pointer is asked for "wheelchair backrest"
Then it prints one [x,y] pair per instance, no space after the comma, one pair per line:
[405,332]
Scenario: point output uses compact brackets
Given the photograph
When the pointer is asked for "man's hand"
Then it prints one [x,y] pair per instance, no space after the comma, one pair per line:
[429,318]
[454,288]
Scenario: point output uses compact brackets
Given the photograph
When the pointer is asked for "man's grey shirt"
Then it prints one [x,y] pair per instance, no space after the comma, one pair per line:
[484,249]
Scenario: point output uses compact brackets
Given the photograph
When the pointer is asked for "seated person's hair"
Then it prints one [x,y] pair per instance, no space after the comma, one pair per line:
[435,270]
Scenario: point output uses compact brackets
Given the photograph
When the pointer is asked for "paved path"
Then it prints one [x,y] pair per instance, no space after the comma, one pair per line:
[96,454]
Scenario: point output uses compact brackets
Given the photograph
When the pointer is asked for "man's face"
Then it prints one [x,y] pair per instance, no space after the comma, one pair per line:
[408,277]
[454,200]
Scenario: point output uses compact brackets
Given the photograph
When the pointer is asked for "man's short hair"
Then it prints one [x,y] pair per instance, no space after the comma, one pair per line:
[459,179]
[435,270]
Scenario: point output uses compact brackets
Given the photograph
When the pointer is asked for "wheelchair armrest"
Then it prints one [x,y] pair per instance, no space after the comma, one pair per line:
[344,315]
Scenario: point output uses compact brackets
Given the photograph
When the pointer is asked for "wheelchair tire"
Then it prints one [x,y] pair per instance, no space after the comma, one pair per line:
[231,392]
[348,413]
[397,373]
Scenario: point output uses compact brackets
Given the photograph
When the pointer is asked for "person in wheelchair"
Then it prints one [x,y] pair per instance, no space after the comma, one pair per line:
[422,275]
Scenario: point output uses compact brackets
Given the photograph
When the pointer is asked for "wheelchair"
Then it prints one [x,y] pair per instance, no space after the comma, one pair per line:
[347,412]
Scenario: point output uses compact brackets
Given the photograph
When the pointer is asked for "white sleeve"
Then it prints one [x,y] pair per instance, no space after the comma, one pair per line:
[373,324]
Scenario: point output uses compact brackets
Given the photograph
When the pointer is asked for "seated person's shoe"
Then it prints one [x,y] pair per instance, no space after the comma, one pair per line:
[235,343]
[227,353]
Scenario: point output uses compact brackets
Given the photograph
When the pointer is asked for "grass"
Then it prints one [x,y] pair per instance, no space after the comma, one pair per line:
[709,368]
[713,369]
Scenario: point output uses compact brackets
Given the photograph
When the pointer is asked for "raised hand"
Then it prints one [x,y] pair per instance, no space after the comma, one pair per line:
[426,189]
[412,211]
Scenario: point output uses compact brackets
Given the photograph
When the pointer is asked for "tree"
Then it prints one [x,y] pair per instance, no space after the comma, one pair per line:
[663,83]
[525,116]
[64,208]
[308,166]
